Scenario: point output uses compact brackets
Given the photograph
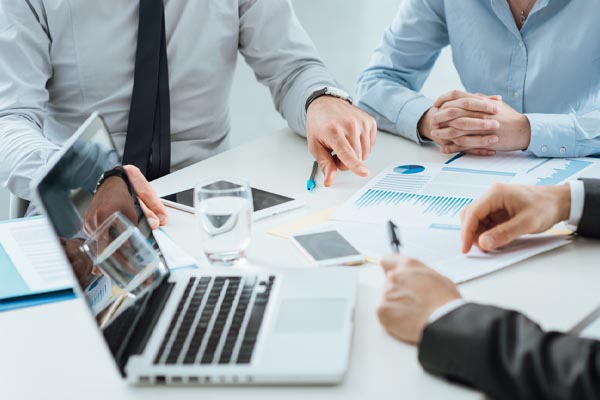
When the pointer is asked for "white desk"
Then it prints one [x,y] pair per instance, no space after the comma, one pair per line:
[54,352]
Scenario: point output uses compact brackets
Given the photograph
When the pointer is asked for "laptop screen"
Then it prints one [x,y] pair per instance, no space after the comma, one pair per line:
[66,193]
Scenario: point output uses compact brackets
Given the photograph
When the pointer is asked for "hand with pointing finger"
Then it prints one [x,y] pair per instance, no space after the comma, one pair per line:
[506,212]
[335,126]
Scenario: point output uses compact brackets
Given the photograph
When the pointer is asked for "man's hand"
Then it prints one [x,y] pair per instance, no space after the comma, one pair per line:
[113,195]
[334,125]
[508,211]
[413,292]
[154,209]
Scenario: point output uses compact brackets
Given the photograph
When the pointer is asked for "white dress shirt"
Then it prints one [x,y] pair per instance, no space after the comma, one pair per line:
[577,202]
[63,59]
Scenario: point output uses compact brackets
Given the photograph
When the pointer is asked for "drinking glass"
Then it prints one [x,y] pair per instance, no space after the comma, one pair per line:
[122,253]
[224,213]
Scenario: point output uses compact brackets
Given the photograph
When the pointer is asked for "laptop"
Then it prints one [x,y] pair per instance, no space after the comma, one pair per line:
[200,326]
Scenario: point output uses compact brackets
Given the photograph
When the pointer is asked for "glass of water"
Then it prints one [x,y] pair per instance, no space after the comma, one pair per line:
[224,213]
[123,254]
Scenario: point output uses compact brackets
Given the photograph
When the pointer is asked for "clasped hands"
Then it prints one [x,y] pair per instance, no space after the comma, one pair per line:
[474,124]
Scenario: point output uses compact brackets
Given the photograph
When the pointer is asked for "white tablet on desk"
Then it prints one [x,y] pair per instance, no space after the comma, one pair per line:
[266,204]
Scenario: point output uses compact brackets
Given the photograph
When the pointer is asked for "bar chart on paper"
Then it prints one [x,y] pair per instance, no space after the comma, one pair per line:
[556,171]
[430,195]
[429,204]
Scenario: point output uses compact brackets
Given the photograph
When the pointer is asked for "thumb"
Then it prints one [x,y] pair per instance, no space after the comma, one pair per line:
[326,162]
[503,234]
[151,217]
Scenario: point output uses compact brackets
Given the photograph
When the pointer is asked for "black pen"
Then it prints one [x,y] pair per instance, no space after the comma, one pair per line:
[394,237]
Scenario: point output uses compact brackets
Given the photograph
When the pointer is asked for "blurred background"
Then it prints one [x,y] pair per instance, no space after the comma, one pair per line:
[345,33]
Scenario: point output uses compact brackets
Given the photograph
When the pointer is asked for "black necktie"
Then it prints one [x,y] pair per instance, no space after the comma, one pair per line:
[148,141]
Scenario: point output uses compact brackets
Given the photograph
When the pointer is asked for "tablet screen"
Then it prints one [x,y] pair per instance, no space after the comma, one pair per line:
[261,198]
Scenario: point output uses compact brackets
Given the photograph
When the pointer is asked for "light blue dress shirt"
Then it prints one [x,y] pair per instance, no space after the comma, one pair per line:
[549,70]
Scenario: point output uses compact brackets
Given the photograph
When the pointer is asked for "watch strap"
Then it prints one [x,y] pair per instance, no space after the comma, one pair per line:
[327,91]
[118,171]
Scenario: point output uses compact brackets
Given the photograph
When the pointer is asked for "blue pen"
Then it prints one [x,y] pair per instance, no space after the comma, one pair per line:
[311,183]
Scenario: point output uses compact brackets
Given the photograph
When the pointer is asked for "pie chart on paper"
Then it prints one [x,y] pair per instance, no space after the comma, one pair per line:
[409,169]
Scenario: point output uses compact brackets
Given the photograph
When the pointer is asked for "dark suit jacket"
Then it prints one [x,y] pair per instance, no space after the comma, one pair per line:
[506,355]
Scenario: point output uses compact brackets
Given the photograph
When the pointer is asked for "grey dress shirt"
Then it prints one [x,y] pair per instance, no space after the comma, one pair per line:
[60,60]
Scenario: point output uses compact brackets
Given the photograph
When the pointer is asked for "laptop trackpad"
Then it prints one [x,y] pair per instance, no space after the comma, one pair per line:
[311,315]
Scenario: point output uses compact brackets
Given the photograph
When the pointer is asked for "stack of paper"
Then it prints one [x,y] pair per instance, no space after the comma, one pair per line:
[33,268]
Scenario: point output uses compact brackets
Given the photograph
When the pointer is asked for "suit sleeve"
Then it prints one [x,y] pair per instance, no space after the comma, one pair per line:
[507,356]
[590,219]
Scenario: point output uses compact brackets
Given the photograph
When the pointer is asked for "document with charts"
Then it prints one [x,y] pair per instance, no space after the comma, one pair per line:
[429,195]
[529,169]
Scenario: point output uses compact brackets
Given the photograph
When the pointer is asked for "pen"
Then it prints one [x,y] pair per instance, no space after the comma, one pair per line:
[311,183]
[394,237]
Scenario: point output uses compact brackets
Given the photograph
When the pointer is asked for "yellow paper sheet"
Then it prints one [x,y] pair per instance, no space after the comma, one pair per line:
[302,224]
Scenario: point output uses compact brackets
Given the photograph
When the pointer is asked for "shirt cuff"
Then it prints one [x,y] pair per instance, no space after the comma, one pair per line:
[577,201]
[445,309]
[410,115]
[552,135]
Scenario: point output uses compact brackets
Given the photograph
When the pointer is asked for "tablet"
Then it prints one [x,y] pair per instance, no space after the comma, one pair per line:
[266,203]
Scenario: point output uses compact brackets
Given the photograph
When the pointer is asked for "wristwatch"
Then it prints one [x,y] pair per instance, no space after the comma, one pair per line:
[116,171]
[328,91]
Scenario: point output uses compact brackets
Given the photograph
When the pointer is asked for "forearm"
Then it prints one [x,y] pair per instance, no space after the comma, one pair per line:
[389,88]
[505,355]
[565,135]
[396,108]
[24,152]
[282,56]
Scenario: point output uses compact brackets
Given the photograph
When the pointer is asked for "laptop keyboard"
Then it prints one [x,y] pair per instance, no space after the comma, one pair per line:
[216,321]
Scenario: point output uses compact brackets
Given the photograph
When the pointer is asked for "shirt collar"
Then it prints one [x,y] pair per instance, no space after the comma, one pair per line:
[502,11]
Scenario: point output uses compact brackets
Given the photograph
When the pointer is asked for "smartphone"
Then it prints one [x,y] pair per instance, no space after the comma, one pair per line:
[327,248]
[266,203]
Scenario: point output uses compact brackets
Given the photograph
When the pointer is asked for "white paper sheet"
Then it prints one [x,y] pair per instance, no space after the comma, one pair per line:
[527,168]
[36,255]
[426,195]
[441,249]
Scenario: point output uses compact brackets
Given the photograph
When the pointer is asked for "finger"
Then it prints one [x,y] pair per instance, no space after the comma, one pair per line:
[391,262]
[365,142]
[476,141]
[326,162]
[373,132]
[356,144]
[448,114]
[451,95]
[480,152]
[474,124]
[477,104]
[145,192]
[451,134]
[475,213]
[340,165]
[504,233]
[345,152]
[151,217]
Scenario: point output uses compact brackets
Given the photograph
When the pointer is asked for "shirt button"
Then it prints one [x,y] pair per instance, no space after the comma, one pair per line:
[544,148]
[562,150]
[516,94]
[521,45]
